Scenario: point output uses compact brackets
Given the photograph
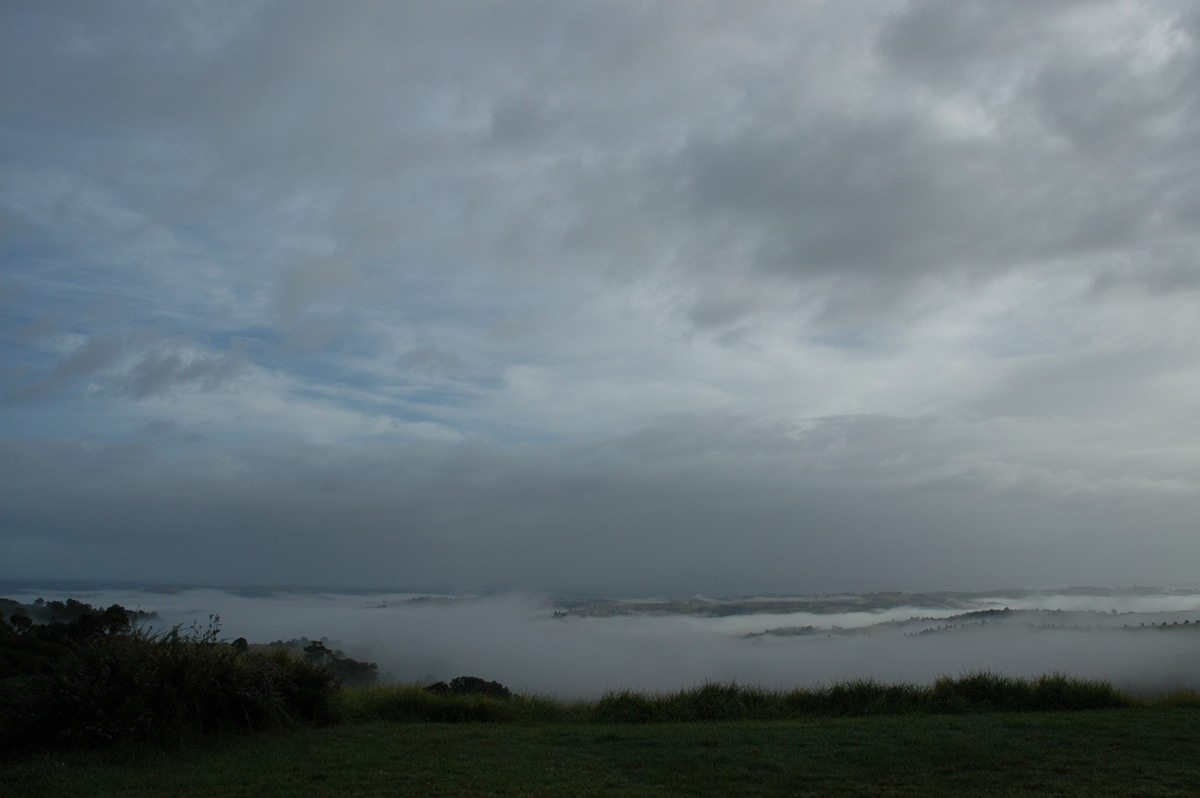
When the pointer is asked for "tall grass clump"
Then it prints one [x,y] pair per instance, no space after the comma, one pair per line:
[974,693]
[982,692]
[413,703]
[865,697]
[723,702]
[144,685]
[714,701]
[1175,699]
[628,706]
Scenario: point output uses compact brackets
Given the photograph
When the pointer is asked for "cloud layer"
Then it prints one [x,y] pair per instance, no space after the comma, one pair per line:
[651,295]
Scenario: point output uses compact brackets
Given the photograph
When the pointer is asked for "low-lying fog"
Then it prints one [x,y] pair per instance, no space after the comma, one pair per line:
[522,642]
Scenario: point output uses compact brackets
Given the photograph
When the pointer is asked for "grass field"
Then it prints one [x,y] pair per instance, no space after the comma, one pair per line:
[1135,751]
[87,710]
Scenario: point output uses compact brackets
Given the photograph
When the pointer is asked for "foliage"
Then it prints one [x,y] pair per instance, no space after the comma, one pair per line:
[88,677]
[982,692]
[50,612]
[350,672]
[94,680]
[470,685]
[406,702]
[975,693]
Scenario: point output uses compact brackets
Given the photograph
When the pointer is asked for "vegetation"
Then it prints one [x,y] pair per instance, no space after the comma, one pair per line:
[90,705]
[349,672]
[69,611]
[96,680]
[976,693]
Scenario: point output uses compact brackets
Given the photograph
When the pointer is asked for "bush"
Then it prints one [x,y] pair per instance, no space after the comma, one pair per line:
[140,685]
[413,703]
[470,685]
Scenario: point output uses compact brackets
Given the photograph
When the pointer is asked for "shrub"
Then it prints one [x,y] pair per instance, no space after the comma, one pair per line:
[142,685]
[470,685]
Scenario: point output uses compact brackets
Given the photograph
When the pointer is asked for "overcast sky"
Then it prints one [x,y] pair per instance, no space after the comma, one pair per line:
[622,296]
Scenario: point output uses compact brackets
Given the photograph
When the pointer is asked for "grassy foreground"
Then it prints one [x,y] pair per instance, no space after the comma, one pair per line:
[90,706]
[1136,751]
[982,734]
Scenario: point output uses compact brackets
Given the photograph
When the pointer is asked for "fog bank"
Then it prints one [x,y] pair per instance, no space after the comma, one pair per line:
[519,641]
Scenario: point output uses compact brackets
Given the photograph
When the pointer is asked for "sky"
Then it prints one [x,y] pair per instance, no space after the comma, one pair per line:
[624,297]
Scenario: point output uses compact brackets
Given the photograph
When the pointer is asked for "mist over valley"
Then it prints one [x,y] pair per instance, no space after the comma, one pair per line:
[1143,640]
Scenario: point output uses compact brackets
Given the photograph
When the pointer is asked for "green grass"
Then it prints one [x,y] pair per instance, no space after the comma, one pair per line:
[982,734]
[1134,751]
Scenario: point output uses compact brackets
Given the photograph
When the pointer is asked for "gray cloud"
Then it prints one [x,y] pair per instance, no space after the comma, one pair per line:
[875,207]
[430,359]
[136,366]
[668,293]
[721,505]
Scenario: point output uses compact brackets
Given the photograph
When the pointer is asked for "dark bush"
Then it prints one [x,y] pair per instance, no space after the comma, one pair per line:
[470,685]
[65,687]
[350,672]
